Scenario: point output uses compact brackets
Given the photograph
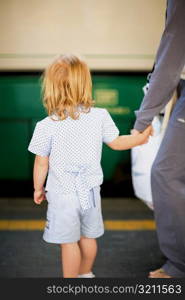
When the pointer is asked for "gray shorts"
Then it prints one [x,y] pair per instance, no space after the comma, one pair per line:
[67,222]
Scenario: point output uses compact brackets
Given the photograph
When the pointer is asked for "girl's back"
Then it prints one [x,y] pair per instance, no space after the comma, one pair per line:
[74,146]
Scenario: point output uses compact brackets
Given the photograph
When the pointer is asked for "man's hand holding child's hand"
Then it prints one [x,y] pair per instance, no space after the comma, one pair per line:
[143,136]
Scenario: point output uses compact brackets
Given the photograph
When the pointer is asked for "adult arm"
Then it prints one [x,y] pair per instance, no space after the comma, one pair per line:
[169,63]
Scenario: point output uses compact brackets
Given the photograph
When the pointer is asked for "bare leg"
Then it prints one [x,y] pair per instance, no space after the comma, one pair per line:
[71,259]
[88,248]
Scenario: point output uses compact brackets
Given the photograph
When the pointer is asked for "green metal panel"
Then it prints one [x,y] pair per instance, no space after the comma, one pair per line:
[14,160]
[20,97]
[120,94]
[21,107]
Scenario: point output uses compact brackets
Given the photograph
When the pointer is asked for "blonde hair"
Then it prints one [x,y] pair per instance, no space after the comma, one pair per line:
[66,85]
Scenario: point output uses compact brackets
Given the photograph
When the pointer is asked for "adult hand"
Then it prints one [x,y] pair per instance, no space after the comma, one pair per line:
[136,132]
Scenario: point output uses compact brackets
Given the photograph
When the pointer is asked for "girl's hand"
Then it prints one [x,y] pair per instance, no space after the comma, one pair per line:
[39,196]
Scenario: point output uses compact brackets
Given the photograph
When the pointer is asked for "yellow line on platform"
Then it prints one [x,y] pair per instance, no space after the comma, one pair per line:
[22,224]
[129,225]
[109,225]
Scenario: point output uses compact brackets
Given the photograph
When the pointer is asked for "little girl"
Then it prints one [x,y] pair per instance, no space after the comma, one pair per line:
[68,147]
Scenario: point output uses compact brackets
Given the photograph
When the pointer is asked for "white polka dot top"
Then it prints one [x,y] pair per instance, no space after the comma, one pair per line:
[74,148]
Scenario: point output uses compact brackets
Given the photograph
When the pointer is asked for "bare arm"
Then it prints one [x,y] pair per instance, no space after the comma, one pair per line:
[124,142]
[39,176]
[40,172]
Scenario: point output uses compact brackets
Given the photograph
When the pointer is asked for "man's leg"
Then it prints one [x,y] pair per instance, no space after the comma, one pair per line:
[168,190]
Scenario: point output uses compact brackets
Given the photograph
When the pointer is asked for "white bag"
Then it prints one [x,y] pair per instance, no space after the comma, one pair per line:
[142,157]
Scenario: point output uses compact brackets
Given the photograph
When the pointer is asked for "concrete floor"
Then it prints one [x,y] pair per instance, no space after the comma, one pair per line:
[122,253]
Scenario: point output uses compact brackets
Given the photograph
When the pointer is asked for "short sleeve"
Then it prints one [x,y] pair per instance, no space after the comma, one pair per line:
[110,130]
[40,143]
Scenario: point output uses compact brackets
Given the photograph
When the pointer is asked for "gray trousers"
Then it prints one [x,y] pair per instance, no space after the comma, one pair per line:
[168,190]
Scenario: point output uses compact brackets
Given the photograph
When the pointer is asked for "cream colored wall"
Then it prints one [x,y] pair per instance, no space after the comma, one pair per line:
[111,34]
